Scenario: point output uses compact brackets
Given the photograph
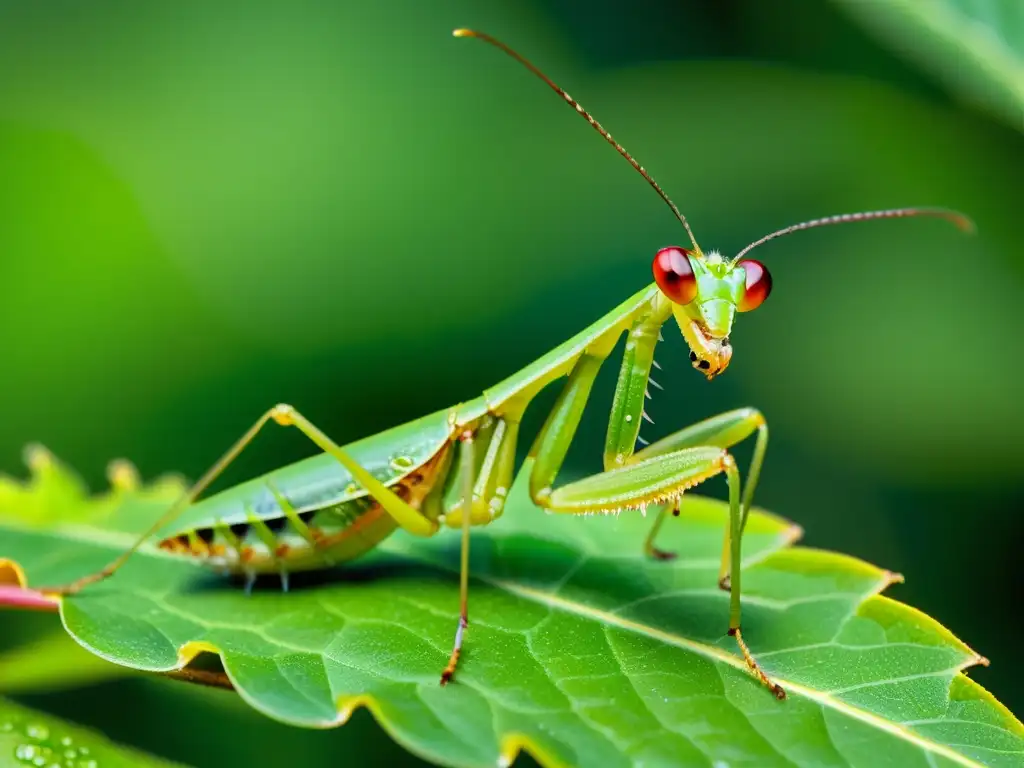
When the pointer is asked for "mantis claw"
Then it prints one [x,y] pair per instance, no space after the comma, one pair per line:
[661,554]
[453,660]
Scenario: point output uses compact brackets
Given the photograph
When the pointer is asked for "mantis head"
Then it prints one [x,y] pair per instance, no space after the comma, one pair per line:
[706,291]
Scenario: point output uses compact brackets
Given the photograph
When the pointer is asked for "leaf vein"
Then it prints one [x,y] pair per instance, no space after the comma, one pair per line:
[894,680]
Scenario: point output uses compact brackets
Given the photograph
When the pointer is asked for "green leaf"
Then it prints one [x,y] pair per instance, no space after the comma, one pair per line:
[579,650]
[975,46]
[29,738]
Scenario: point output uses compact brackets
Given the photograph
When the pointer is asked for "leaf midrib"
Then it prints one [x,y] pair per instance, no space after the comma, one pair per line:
[553,602]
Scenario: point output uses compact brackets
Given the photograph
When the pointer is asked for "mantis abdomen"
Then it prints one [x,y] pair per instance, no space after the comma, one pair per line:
[311,514]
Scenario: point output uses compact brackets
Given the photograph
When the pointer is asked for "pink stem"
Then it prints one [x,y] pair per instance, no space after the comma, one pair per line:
[13,596]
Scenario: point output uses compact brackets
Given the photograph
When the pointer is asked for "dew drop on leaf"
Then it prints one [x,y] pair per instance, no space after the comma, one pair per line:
[401,463]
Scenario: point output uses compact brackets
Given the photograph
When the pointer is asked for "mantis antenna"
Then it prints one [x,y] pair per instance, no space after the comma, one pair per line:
[587,116]
[961,221]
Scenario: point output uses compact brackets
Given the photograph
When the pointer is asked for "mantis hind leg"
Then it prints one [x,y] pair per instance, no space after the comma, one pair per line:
[284,415]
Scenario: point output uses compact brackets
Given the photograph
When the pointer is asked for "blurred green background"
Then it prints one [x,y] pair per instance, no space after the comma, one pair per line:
[207,208]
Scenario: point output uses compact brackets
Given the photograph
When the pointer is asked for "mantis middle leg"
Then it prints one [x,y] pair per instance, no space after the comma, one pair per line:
[468,466]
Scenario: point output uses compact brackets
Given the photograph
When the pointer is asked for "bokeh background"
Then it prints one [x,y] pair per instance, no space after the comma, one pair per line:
[210,207]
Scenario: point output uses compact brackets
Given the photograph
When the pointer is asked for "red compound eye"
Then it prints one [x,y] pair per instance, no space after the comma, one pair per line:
[674,274]
[758,285]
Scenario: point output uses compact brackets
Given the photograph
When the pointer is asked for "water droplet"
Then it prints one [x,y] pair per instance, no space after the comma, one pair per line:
[401,463]
[66,741]
[25,752]
[40,761]
[37,731]
[83,750]
[6,726]
[87,764]
[69,754]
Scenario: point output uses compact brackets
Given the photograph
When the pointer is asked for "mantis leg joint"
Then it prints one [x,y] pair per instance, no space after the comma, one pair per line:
[727,461]
[283,414]
[541,497]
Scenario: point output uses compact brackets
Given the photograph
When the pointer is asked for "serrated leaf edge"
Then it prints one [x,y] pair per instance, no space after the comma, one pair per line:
[512,743]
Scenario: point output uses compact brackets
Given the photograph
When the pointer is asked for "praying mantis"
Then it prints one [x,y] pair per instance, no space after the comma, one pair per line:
[453,468]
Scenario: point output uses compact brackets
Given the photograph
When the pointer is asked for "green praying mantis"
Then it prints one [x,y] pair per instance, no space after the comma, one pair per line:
[453,468]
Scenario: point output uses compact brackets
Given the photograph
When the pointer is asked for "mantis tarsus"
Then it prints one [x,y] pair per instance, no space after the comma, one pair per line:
[453,468]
